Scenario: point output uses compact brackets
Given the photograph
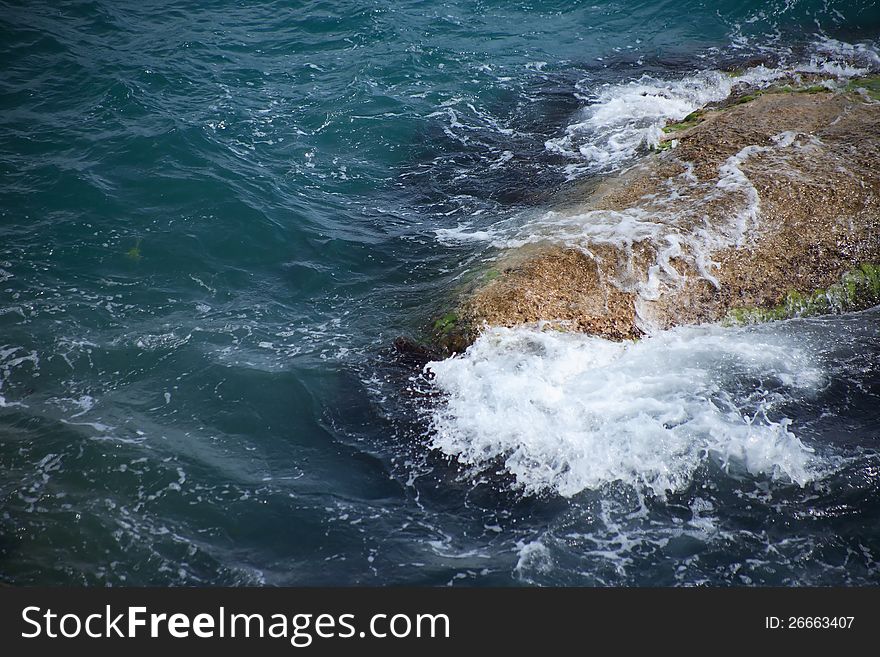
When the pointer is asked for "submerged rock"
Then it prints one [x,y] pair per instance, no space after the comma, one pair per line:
[765,206]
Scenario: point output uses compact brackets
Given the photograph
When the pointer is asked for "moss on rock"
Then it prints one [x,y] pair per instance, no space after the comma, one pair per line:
[869,85]
[857,289]
[687,122]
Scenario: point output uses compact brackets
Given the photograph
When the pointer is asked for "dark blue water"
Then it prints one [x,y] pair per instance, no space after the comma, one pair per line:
[216,217]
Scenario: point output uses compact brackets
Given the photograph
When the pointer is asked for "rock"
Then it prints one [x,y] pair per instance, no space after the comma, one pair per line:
[766,207]
[412,352]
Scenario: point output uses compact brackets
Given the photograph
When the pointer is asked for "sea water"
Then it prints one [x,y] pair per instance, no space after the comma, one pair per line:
[216,217]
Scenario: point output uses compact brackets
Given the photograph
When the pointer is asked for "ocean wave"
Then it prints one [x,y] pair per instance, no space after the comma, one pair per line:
[564,412]
[621,119]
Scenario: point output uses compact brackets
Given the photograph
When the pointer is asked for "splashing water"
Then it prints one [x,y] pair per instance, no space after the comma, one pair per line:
[564,413]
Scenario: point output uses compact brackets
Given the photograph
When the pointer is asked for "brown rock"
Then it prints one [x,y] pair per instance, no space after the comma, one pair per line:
[759,199]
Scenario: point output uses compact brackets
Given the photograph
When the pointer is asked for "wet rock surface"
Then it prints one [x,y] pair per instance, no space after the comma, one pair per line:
[770,197]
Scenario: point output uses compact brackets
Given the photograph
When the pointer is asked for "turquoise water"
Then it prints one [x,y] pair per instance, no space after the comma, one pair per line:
[216,217]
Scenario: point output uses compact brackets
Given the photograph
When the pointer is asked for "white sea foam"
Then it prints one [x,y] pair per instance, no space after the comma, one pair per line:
[620,119]
[463,233]
[565,412]
[841,58]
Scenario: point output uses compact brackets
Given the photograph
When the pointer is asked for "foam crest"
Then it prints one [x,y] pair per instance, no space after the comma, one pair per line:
[565,412]
[621,119]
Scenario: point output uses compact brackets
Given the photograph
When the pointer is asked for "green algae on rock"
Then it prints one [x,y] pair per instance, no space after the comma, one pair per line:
[869,85]
[689,121]
[857,289]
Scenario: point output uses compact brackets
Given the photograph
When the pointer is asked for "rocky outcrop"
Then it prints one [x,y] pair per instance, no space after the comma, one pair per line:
[765,206]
